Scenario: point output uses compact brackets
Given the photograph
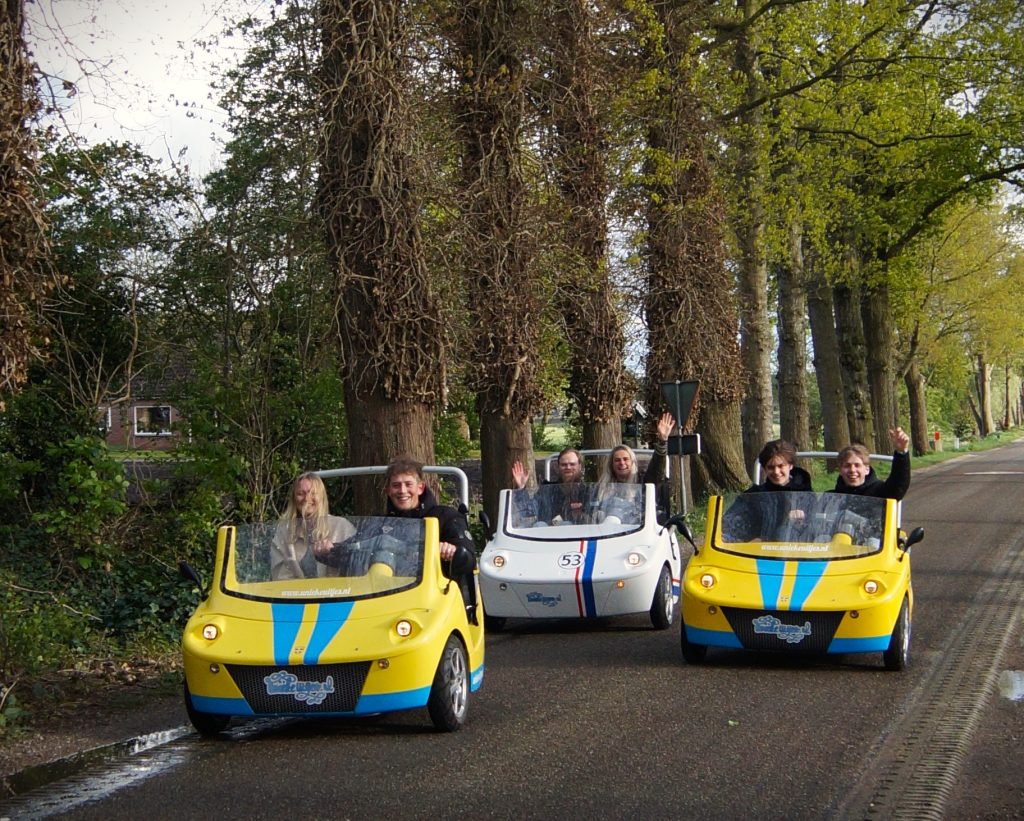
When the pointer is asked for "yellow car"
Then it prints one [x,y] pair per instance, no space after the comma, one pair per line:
[800,572]
[382,632]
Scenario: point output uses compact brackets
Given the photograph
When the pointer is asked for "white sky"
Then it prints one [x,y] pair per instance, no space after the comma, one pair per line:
[137,70]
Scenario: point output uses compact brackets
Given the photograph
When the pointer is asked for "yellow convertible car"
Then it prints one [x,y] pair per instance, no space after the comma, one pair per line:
[384,630]
[800,572]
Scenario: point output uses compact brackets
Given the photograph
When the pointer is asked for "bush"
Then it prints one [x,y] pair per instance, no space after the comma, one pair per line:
[39,629]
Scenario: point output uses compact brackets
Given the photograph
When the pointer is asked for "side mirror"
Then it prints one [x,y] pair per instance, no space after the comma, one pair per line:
[916,535]
[485,520]
[683,529]
[190,574]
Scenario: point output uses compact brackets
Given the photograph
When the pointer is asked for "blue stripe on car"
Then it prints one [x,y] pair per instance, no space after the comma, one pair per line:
[287,619]
[868,644]
[388,702]
[770,580]
[588,579]
[808,574]
[712,638]
[221,706]
[330,619]
[476,679]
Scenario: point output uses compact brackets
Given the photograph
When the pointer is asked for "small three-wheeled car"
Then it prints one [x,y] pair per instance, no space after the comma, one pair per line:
[384,630]
[580,551]
[801,572]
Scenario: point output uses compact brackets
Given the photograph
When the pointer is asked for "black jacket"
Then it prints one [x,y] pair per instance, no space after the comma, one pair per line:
[799,480]
[453,529]
[895,487]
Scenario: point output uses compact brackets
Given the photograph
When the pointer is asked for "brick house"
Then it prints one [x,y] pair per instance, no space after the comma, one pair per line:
[146,421]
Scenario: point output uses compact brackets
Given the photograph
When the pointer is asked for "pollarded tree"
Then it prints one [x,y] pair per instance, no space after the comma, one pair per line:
[691,315]
[581,100]
[500,231]
[391,332]
[26,274]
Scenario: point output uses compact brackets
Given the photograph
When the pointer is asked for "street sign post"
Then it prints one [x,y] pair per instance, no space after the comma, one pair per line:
[680,396]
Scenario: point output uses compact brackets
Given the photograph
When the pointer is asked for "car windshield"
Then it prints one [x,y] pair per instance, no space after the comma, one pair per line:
[577,510]
[360,557]
[785,525]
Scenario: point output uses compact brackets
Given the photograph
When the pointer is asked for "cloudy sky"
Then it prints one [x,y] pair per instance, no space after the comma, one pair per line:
[138,69]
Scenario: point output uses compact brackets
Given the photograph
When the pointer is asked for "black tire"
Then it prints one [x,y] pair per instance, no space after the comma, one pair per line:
[448,704]
[663,606]
[692,653]
[494,624]
[897,655]
[207,725]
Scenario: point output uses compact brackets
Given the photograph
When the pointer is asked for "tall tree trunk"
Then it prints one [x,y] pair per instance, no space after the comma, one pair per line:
[983,385]
[498,242]
[718,422]
[26,275]
[835,423]
[1006,393]
[506,441]
[880,345]
[850,336]
[597,382]
[391,332]
[755,328]
[689,306]
[917,398]
[794,412]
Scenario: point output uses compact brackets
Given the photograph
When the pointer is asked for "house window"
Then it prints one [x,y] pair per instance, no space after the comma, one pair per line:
[153,420]
[103,418]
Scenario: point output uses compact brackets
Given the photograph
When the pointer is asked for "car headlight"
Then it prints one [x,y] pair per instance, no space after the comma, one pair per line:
[210,631]
[403,627]
[634,559]
[870,587]
[498,561]
[707,581]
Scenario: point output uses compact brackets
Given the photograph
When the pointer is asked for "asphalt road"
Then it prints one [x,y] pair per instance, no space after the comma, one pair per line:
[604,720]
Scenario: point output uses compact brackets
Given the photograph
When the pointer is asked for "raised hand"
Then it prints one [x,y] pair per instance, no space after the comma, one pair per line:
[519,475]
[665,425]
[900,440]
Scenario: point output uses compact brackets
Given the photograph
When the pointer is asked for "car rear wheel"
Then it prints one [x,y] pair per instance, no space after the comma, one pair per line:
[449,694]
[898,653]
[692,653]
[206,724]
[663,608]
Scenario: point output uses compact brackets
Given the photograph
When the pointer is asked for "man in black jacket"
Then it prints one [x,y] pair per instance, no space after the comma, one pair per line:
[858,477]
[410,498]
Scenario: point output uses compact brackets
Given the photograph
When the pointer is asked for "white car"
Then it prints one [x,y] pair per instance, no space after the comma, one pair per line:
[580,551]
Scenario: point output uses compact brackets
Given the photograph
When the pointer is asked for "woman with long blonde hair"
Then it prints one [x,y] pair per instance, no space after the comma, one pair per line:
[306,532]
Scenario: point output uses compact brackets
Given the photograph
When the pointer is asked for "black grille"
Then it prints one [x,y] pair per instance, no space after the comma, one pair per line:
[777,625]
[309,683]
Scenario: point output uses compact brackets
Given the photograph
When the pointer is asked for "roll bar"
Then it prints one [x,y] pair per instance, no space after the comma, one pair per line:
[603,452]
[461,480]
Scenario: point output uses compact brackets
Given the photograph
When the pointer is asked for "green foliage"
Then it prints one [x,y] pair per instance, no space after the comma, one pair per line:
[450,444]
[88,499]
[39,628]
[11,712]
[539,434]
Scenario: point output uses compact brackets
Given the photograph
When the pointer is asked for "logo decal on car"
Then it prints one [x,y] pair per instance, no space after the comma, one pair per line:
[790,633]
[283,683]
[540,598]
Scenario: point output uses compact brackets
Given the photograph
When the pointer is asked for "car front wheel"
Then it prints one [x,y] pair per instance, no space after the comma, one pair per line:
[692,653]
[207,724]
[663,608]
[449,694]
[898,653]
